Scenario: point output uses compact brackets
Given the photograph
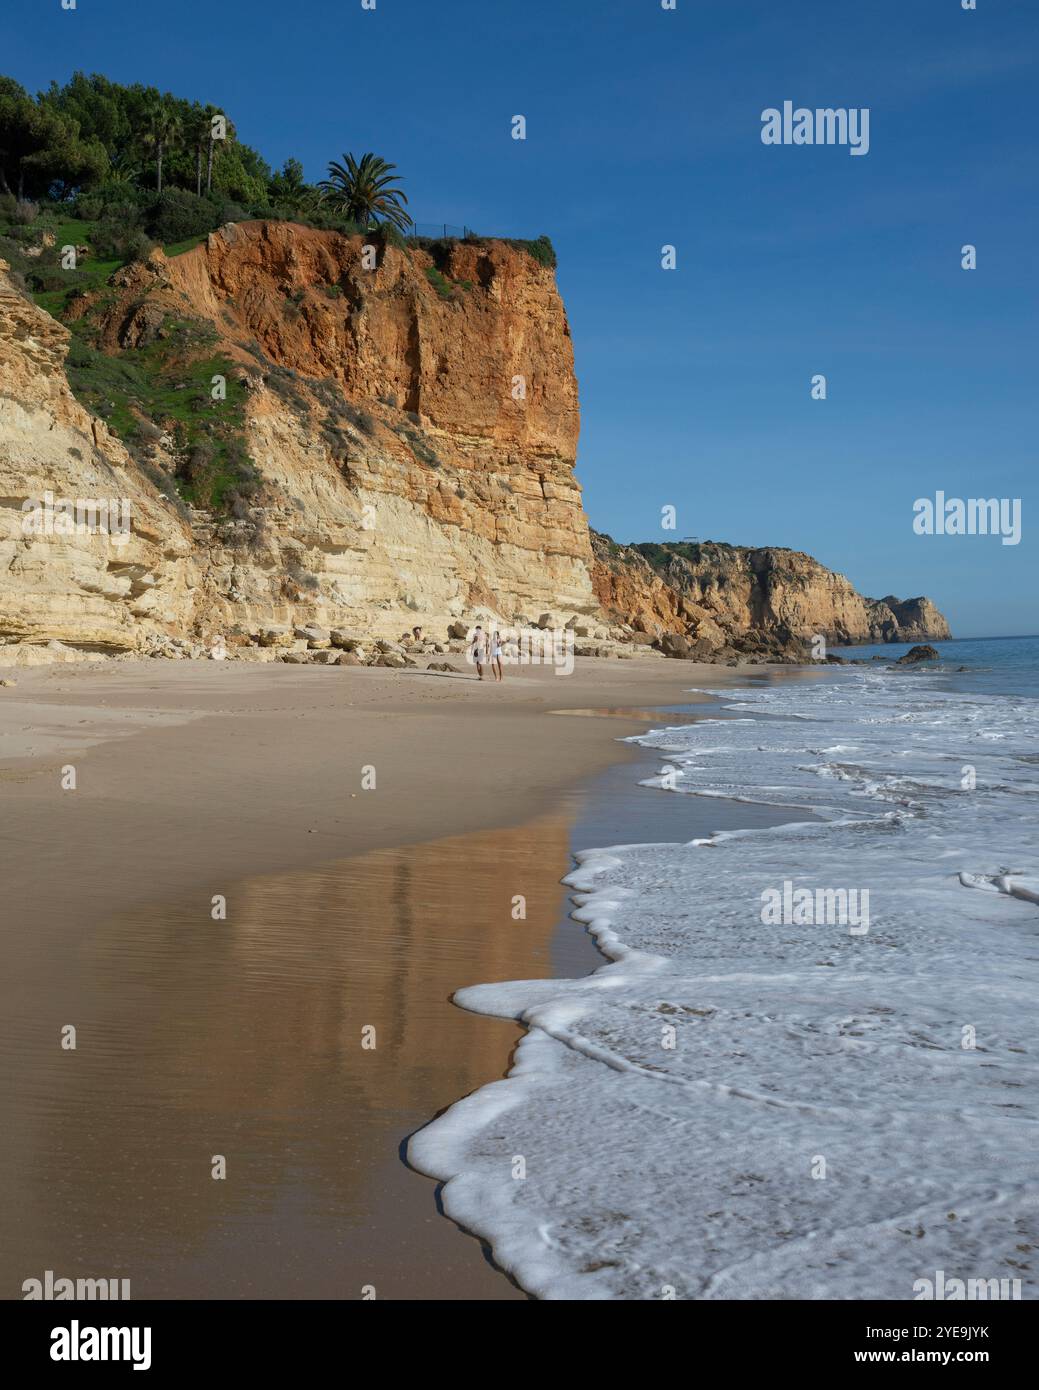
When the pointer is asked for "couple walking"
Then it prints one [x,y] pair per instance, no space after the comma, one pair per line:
[486,650]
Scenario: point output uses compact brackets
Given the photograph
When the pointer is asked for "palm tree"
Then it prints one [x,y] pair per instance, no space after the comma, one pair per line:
[208,114]
[125,166]
[161,130]
[364,192]
[198,130]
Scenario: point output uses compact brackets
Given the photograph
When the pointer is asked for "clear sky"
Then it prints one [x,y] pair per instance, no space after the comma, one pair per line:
[644,129]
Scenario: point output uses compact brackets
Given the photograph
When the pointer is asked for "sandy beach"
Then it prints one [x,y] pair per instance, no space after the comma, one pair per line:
[243,769]
[347,908]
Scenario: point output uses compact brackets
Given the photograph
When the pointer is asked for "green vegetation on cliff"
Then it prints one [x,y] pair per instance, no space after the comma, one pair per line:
[167,389]
[144,166]
[93,175]
[660,554]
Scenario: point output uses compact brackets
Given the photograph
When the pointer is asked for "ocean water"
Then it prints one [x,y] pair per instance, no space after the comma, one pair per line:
[810,1069]
[995,665]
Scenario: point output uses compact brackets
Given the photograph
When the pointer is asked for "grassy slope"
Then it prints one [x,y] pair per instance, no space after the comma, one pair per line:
[164,388]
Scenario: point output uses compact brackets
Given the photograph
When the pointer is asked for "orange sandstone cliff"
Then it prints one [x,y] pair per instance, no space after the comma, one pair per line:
[411,418]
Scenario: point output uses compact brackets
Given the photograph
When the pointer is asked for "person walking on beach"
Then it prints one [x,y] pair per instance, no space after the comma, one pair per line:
[478,650]
[496,654]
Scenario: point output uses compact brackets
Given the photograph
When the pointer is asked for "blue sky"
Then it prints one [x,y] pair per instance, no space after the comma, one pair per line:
[644,129]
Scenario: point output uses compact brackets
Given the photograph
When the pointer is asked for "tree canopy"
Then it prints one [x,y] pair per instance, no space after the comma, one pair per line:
[91,131]
[41,149]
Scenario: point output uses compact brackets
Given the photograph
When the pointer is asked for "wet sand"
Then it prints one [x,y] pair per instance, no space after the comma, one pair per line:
[244,1037]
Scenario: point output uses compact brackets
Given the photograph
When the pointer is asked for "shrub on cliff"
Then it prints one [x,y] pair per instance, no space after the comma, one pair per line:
[386,234]
[363,421]
[230,211]
[24,213]
[543,251]
[120,236]
[179,215]
[540,249]
[440,283]
[109,199]
[326,220]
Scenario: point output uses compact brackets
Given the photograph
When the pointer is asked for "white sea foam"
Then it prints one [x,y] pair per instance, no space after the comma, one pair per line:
[901,1063]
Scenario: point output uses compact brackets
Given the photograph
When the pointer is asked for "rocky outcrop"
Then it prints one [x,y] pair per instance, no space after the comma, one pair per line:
[629,589]
[711,598]
[906,620]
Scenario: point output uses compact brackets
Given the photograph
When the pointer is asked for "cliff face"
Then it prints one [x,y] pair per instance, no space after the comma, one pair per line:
[96,590]
[719,596]
[417,437]
[413,421]
[415,431]
[915,620]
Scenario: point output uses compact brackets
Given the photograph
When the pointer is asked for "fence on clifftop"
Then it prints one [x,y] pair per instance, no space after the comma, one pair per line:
[439,231]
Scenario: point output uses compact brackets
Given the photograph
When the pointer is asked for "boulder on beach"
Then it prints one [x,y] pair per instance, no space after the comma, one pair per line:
[674,644]
[316,637]
[681,648]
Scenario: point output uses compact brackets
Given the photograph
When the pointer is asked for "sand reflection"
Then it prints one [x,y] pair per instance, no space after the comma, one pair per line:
[244,1038]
